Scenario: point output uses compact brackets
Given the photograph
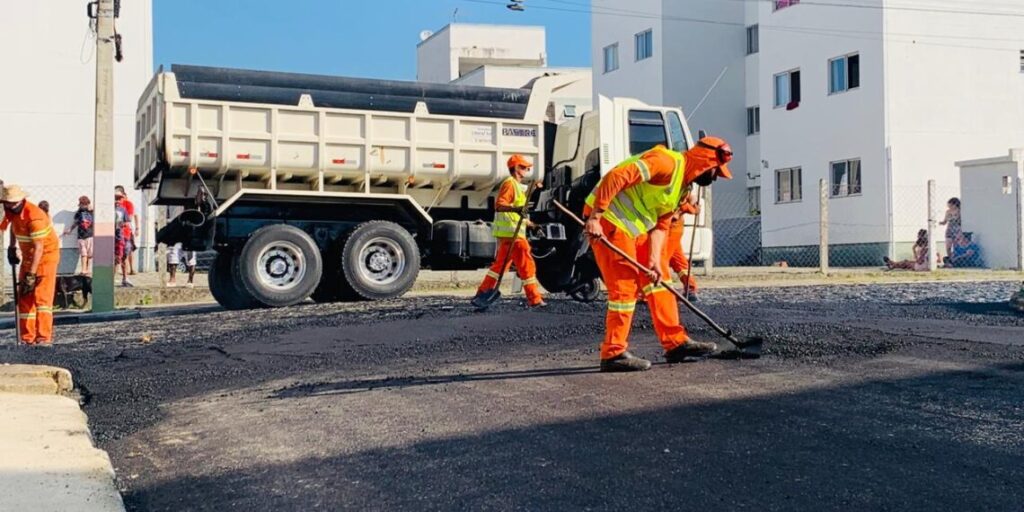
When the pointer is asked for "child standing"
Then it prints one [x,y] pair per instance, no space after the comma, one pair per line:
[83,223]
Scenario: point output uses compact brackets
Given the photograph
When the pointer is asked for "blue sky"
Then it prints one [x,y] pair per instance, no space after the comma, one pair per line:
[366,38]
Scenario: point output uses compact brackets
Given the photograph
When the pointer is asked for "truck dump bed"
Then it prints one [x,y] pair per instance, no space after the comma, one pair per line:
[267,130]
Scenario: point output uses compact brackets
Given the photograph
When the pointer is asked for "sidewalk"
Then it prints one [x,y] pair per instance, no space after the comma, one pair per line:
[49,462]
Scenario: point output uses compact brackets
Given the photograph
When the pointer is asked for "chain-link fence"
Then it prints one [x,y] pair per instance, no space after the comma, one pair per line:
[822,225]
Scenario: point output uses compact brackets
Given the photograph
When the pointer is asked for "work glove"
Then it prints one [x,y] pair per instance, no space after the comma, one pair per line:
[12,255]
[28,284]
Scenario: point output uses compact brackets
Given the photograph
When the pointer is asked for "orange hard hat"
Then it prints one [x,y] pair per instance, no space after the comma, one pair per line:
[718,151]
[518,159]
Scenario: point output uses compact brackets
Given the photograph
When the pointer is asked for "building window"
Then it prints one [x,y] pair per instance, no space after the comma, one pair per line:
[611,57]
[1022,61]
[846,178]
[782,4]
[787,89]
[569,111]
[754,200]
[752,40]
[788,185]
[843,73]
[753,120]
[644,44]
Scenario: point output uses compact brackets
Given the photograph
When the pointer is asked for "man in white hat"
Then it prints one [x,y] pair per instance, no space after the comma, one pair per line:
[33,231]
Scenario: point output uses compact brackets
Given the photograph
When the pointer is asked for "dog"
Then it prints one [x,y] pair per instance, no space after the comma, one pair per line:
[66,288]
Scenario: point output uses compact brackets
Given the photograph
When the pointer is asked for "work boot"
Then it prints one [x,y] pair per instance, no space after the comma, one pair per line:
[689,350]
[625,362]
[539,305]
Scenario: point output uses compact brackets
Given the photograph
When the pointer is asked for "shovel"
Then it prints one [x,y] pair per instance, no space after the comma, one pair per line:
[485,300]
[747,348]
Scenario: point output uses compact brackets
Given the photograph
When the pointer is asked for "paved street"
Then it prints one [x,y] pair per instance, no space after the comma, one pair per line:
[883,397]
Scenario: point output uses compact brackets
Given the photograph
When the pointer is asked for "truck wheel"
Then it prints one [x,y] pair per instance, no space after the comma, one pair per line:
[226,290]
[280,265]
[380,260]
[587,292]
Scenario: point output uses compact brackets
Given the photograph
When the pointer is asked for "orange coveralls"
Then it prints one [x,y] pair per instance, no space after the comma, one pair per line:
[35,309]
[674,257]
[624,281]
[521,255]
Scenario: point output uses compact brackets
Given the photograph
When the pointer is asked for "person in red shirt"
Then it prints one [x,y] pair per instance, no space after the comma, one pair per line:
[129,228]
[32,232]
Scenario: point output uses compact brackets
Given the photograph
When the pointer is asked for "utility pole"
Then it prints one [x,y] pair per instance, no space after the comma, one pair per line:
[103,161]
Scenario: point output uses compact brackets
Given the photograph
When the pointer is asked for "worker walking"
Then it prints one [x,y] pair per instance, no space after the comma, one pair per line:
[32,229]
[632,206]
[509,207]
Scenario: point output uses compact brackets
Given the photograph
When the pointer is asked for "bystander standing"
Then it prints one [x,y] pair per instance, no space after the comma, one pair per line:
[175,255]
[83,224]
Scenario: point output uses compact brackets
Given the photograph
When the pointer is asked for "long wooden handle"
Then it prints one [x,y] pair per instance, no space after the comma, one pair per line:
[693,239]
[632,261]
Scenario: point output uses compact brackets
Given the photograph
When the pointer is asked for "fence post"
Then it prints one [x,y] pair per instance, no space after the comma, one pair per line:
[709,264]
[933,264]
[1020,222]
[823,226]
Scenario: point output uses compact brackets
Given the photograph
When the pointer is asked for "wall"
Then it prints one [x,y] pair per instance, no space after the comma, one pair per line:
[458,49]
[696,54]
[641,80]
[956,92]
[434,61]
[47,100]
[824,128]
[990,211]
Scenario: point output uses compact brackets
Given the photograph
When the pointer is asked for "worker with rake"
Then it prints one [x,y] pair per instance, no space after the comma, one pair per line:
[632,208]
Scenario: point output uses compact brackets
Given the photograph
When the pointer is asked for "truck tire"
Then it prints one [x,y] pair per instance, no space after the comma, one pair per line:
[280,265]
[225,287]
[380,260]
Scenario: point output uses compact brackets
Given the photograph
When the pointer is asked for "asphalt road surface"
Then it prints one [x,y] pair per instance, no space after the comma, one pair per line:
[901,397]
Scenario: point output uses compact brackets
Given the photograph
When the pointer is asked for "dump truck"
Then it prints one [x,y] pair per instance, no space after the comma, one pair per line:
[342,188]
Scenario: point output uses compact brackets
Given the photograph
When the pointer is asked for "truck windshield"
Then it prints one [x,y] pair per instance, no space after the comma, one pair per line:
[675,133]
[646,130]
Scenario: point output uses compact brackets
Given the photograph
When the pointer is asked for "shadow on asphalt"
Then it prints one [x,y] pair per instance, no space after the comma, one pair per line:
[981,308]
[356,385]
[941,441]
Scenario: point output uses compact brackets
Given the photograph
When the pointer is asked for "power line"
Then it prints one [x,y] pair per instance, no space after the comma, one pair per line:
[818,31]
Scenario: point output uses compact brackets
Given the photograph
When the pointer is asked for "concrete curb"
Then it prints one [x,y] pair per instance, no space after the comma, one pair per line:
[34,379]
[49,461]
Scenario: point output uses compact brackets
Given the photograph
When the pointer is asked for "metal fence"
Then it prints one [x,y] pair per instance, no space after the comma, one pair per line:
[836,227]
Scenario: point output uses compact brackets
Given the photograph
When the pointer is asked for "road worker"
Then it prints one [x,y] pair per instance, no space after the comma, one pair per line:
[33,231]
[509,207]
[632,206]
[675,258]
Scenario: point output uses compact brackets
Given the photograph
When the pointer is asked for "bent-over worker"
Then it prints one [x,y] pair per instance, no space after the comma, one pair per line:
[633,206]
[32,229]
[509,207]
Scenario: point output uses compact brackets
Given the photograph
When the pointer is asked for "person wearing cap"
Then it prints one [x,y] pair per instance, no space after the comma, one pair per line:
[632,206]
[33,231]
[509,207]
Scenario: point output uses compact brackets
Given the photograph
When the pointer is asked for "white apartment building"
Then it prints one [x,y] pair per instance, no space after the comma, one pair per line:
[47,104]
[875,98]
[509,56]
